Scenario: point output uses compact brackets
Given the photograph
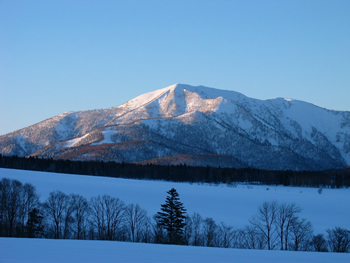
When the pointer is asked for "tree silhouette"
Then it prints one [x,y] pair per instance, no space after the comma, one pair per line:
[35,228]
[172,217]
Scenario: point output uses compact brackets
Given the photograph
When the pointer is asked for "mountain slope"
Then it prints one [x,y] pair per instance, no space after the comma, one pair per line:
[194,121]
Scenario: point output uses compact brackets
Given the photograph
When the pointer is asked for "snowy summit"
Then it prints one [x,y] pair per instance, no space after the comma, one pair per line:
[196,126]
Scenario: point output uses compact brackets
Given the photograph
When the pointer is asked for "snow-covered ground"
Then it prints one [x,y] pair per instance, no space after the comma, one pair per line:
[24,250]
[231,205]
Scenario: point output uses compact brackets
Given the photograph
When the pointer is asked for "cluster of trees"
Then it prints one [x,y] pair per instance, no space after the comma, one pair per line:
[61,216]
[182,173]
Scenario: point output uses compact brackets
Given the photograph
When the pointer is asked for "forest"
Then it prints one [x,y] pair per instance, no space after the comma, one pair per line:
[182,173]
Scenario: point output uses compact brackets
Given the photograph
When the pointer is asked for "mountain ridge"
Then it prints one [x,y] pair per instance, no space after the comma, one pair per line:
[196,120]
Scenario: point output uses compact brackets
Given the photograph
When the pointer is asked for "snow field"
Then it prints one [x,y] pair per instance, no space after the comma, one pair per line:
[22,250]
[232,205]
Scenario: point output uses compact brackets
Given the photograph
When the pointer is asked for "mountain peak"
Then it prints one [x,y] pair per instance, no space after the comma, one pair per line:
[182,119]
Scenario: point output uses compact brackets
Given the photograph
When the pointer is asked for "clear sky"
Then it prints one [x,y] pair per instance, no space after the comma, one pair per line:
[68,55]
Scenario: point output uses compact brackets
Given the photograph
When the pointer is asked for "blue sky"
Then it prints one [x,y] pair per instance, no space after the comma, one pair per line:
[68,55]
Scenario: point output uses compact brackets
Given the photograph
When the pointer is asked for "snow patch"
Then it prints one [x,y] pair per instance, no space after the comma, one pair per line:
[107,134]
[74,142]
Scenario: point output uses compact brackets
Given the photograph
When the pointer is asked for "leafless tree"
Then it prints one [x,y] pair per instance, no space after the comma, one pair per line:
[197,236]
[187,233]
[224,236]
[319,243]
[30,200]
[209,232]
[16,202]
[80,211]
[106,216]
[13,191]
[300,234]
[264,222]
[4,203]
[56,208]
[135,219]
[159,233]
[286,213]
[339,239]
[249,238]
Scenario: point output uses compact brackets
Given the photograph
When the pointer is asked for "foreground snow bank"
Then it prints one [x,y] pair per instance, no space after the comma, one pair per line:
[44,251]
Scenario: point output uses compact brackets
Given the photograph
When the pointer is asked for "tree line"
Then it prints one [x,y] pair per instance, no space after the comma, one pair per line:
[182,173]
[274,226]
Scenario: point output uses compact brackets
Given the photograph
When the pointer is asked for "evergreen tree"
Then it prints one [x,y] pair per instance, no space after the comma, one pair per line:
[172,217]
[35,227]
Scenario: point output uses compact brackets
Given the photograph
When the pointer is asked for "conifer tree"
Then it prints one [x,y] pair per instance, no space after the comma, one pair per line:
[172,217]
[34,224]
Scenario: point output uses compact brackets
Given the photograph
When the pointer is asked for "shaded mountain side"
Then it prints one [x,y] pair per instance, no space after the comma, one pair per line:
[131,151]
[212,160]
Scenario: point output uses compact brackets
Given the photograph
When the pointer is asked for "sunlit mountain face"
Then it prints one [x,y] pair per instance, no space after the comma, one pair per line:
[198,126]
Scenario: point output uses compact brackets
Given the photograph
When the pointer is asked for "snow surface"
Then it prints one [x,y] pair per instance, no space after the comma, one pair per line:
[146,98]
[75,141]
[231,205]
[22,250]
[107,134]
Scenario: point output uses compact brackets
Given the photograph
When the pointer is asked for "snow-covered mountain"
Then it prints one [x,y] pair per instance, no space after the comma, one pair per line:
[195,125]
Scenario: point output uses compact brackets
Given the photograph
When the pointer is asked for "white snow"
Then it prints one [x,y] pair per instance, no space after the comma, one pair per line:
[232,205]
[146,98]
[20,141]
[75,141]
[72,142]
[107,134]
[21,250]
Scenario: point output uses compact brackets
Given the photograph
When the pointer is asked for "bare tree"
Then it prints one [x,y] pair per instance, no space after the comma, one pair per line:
[187,232]
[339,239]
[11,204]
[147,231]
[209,232]
[249,238]
[135,219]
[264,222]
[224,236]
[159,233]
[56,207]
[300,234]
[107,216]
[197,236]
[319,243]
[284,216]
[80,211]
[4,195]
[28,201]
[16,202]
